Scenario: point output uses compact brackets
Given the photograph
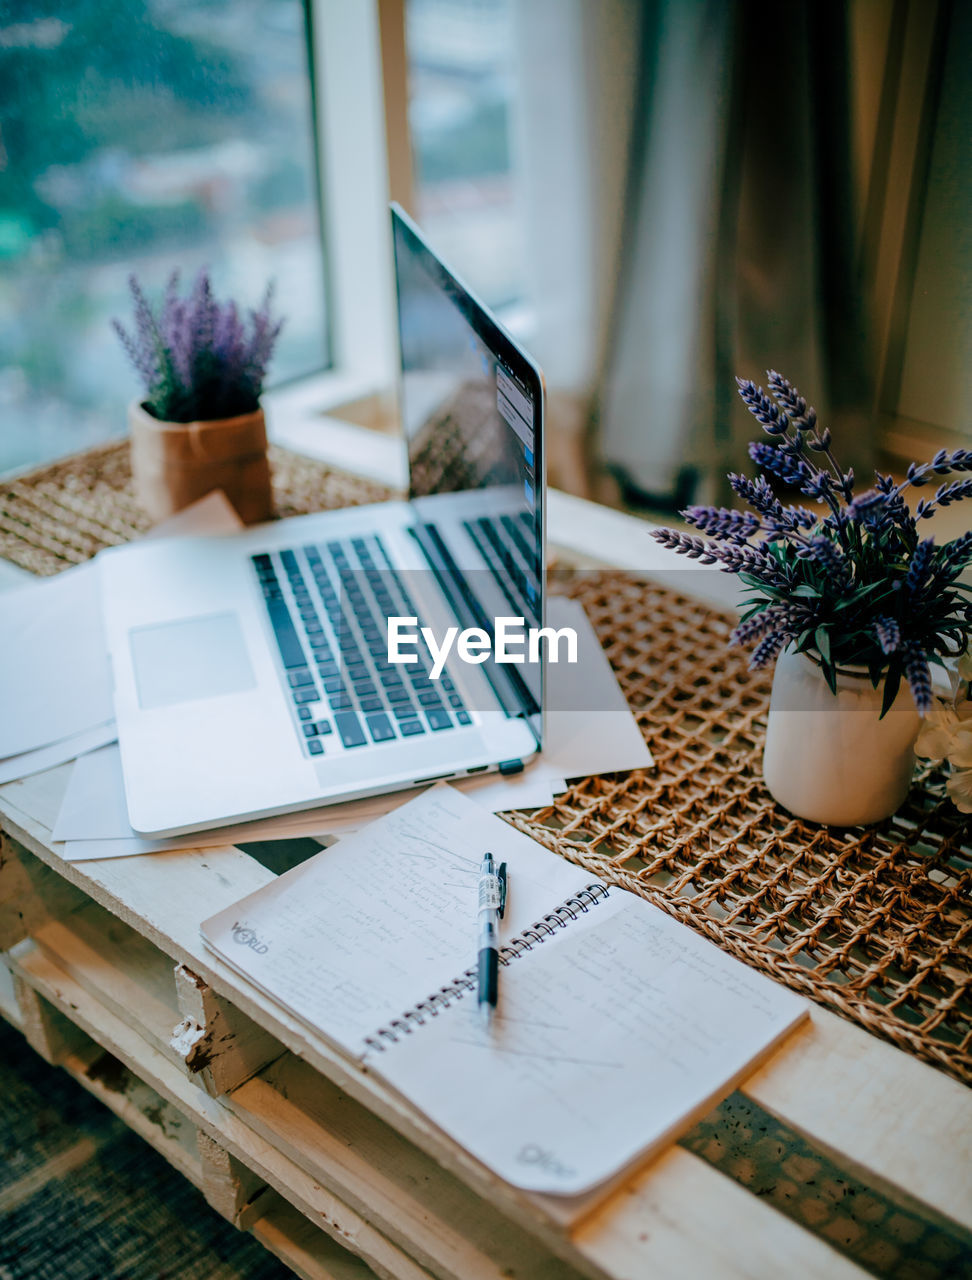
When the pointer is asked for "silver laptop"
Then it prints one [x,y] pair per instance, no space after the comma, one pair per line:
[251,671]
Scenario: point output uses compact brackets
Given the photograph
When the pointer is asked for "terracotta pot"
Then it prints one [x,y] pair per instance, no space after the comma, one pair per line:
[832,759]
[175,463]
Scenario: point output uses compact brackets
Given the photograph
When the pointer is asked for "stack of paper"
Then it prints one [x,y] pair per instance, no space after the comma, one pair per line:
[55,682]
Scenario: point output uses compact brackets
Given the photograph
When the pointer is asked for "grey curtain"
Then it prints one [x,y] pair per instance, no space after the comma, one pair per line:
[741,246]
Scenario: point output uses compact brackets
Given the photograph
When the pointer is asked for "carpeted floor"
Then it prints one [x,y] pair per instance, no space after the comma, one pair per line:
[83,1198]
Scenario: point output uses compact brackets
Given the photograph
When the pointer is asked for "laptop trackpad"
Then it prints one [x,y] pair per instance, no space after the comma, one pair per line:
[190,659]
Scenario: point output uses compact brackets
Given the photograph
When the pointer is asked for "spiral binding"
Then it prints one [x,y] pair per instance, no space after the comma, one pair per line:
[580,903]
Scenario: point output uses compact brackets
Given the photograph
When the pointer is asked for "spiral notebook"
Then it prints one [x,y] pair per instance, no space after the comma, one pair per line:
[616,1026]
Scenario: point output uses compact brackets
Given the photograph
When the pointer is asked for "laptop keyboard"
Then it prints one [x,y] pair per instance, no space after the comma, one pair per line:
[507,545]
[328,607]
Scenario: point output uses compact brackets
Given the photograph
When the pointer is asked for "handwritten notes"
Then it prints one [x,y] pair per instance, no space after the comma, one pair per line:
[611,1035]
[368,928]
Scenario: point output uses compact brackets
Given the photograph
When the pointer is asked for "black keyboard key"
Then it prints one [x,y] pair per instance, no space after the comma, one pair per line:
[291,650]
[397,695]
[313,627]
[299,677]
[463,717]
[315,747]
[306,695]
[363,687]
[392,682]
[372,704]
[349,727]
[327,669]
[334,685]
[262,561]
[304,713]
[438,718]
[310,730]
[289,561]
[380,728]
[455,700]
[430,699]
[348,644]
[447,684]
[403,710]
[324,727]
[409,728]
[321,645]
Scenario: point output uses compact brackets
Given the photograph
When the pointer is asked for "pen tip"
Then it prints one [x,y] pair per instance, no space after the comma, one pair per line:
[486,1012]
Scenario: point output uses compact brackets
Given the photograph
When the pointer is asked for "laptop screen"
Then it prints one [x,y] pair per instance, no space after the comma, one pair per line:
[472,409]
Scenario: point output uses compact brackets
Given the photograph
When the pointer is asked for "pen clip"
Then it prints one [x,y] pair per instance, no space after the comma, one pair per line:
[503,888]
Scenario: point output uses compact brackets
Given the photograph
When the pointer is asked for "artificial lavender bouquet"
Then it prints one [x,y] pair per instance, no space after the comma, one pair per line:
[851,582]
[198,360]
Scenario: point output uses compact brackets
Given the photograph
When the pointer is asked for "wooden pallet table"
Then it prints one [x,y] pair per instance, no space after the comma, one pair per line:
[104,971]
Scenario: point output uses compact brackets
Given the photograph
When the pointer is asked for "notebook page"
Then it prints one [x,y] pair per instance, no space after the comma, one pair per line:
[364,930]
[609,1038]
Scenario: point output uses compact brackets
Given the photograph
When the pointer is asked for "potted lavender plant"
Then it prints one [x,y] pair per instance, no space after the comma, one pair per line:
[200,426]
[849,599]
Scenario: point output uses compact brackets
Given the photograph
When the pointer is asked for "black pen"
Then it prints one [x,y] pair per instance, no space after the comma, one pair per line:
[492,904]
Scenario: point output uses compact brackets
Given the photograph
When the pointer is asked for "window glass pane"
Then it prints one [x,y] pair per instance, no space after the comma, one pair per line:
[145,135]
[460,60]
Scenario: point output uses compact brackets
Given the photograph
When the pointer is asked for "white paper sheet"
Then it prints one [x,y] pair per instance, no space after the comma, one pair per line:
[30,762]
[55,679]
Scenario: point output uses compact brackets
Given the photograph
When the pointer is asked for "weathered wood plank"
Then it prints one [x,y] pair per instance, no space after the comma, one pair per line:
[315,1201]
[229,1186]
[449,1229]
[220,1046]
[887,1114]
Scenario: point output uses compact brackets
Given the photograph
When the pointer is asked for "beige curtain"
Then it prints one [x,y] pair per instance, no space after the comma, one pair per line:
[740,250]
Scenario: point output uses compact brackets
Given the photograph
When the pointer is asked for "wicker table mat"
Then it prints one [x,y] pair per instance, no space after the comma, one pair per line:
[874,923]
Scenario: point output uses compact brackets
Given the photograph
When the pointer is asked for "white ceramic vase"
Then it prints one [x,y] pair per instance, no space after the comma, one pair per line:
[832,759]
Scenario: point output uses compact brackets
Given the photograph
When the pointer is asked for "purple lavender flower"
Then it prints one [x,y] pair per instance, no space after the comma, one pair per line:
[945,495]
[802,416]
[918,677]
[762,408]
[788,619]
[828,559]
[942,463]
[919,568]
[888,633]
[197,360]
[767,650]
[723,522]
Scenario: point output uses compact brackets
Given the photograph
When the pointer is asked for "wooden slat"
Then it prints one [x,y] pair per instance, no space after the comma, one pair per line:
[316,1202]
[219,1044]
[875,1107]
[308,1252]
[232,1189]
[452,1232]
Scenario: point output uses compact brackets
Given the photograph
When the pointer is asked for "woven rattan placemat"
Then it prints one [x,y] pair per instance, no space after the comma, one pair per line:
[874,923]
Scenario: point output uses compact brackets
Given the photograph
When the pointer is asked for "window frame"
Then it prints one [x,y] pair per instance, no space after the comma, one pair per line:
[350,104]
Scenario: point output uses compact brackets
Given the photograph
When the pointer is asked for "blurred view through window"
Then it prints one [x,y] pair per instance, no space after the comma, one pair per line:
[145,135]
[461,78]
